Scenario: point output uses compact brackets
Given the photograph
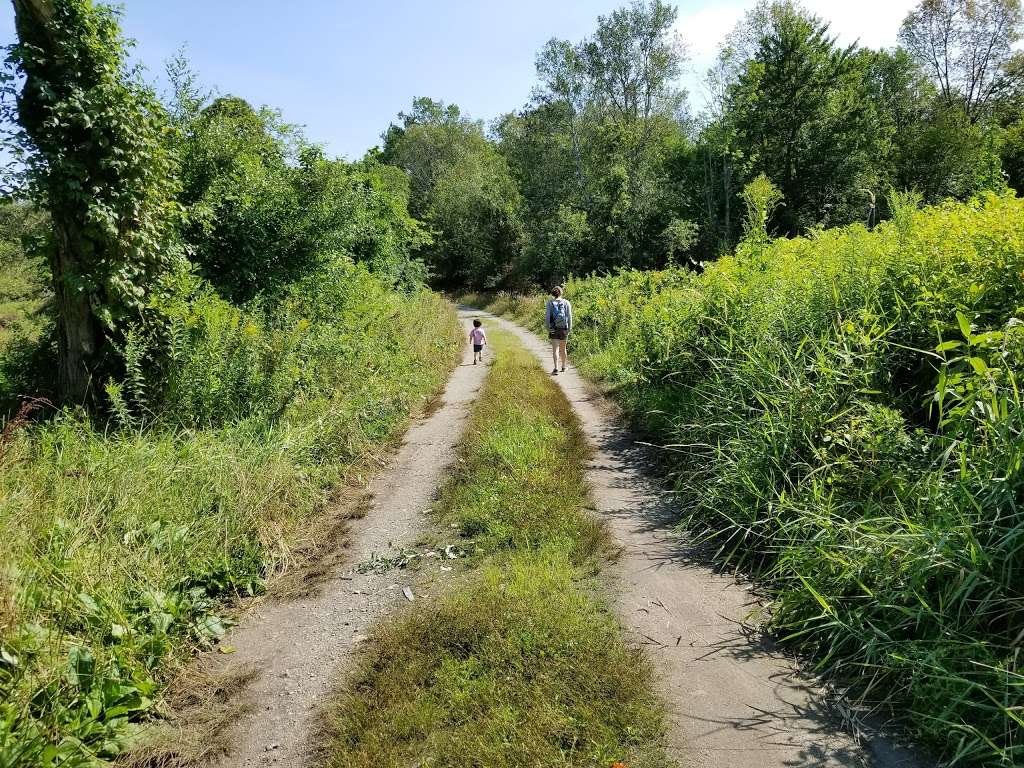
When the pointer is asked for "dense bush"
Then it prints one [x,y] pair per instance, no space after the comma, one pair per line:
[119,546]
[265,207]
[842,415]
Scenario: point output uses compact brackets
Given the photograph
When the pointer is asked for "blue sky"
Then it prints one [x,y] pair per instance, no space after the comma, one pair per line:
[344,69]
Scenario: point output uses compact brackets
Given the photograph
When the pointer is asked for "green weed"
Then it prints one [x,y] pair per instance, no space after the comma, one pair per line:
[121,548]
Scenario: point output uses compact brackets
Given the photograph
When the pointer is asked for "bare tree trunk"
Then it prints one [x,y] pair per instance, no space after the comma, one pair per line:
[79,337]
[709,193]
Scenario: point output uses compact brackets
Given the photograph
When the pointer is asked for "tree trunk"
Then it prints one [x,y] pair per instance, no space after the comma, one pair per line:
[79,336]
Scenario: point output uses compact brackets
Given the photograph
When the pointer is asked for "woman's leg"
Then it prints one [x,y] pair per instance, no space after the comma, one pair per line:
[562,352]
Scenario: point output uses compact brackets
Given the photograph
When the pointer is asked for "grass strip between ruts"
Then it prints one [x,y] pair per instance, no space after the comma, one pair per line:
[520,662]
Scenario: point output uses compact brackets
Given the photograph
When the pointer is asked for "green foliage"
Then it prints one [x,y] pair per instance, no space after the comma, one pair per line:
[93,140]
[966,46]
[592,152]
[119,547]
[761,198]
[463,189]
[24,298]
[803,118]
[612,172]
[265,208]
[237,389]
[843,419]
[519,663]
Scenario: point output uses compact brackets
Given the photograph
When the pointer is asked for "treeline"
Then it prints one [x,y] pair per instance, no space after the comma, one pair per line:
[605,167]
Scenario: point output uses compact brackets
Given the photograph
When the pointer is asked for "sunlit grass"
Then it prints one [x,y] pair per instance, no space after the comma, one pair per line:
[120,547]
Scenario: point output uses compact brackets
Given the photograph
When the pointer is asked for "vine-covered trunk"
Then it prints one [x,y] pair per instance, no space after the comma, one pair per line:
[79,338]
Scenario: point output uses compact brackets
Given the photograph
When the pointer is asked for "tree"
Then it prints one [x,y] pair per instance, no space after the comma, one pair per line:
[237,167]
[632,62]
[475,205]
[430,139]
[965,45]
[592,150]
[93,140]
[266,207]
[462,187]
[801,111]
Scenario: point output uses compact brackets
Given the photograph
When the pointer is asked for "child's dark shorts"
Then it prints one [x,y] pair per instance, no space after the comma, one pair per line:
[478,348]
[555,333]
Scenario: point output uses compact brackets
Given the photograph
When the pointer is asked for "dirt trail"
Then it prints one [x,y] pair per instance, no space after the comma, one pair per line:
[300,646]
[734,701]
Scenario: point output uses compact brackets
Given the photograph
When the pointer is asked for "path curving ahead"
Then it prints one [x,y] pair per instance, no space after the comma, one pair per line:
[301,647]
[733,700]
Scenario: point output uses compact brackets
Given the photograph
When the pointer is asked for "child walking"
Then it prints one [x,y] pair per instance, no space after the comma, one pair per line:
[478,338]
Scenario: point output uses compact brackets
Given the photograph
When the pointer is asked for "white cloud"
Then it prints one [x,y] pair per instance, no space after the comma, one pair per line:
[706,28]
[874,22]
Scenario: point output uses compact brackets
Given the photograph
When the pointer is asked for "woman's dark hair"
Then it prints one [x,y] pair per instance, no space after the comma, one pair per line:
[556,291]
[477,323]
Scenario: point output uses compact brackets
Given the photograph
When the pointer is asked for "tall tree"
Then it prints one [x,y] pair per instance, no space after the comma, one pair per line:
[592,151]
[965,45]
[462,187]
[632,62]
[93,142]
[802,112]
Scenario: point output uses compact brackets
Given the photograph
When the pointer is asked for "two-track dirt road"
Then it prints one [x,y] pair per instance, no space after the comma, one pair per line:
[733,701]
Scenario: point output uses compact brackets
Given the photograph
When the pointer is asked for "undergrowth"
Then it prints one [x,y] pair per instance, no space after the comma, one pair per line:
[24,304]
[121,544]
[521,663]
[842,414]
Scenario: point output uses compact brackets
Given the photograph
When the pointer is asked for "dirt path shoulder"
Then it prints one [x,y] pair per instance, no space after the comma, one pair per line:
[734,701]
[300,647]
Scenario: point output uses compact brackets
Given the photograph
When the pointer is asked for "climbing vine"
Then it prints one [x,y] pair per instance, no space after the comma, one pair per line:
[92,139]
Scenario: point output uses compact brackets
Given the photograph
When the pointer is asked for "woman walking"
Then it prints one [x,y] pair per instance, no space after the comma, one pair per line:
[558,318]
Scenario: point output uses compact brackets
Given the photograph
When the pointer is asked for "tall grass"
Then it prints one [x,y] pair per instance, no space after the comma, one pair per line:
[120,545]
[842,415]
[519,663]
